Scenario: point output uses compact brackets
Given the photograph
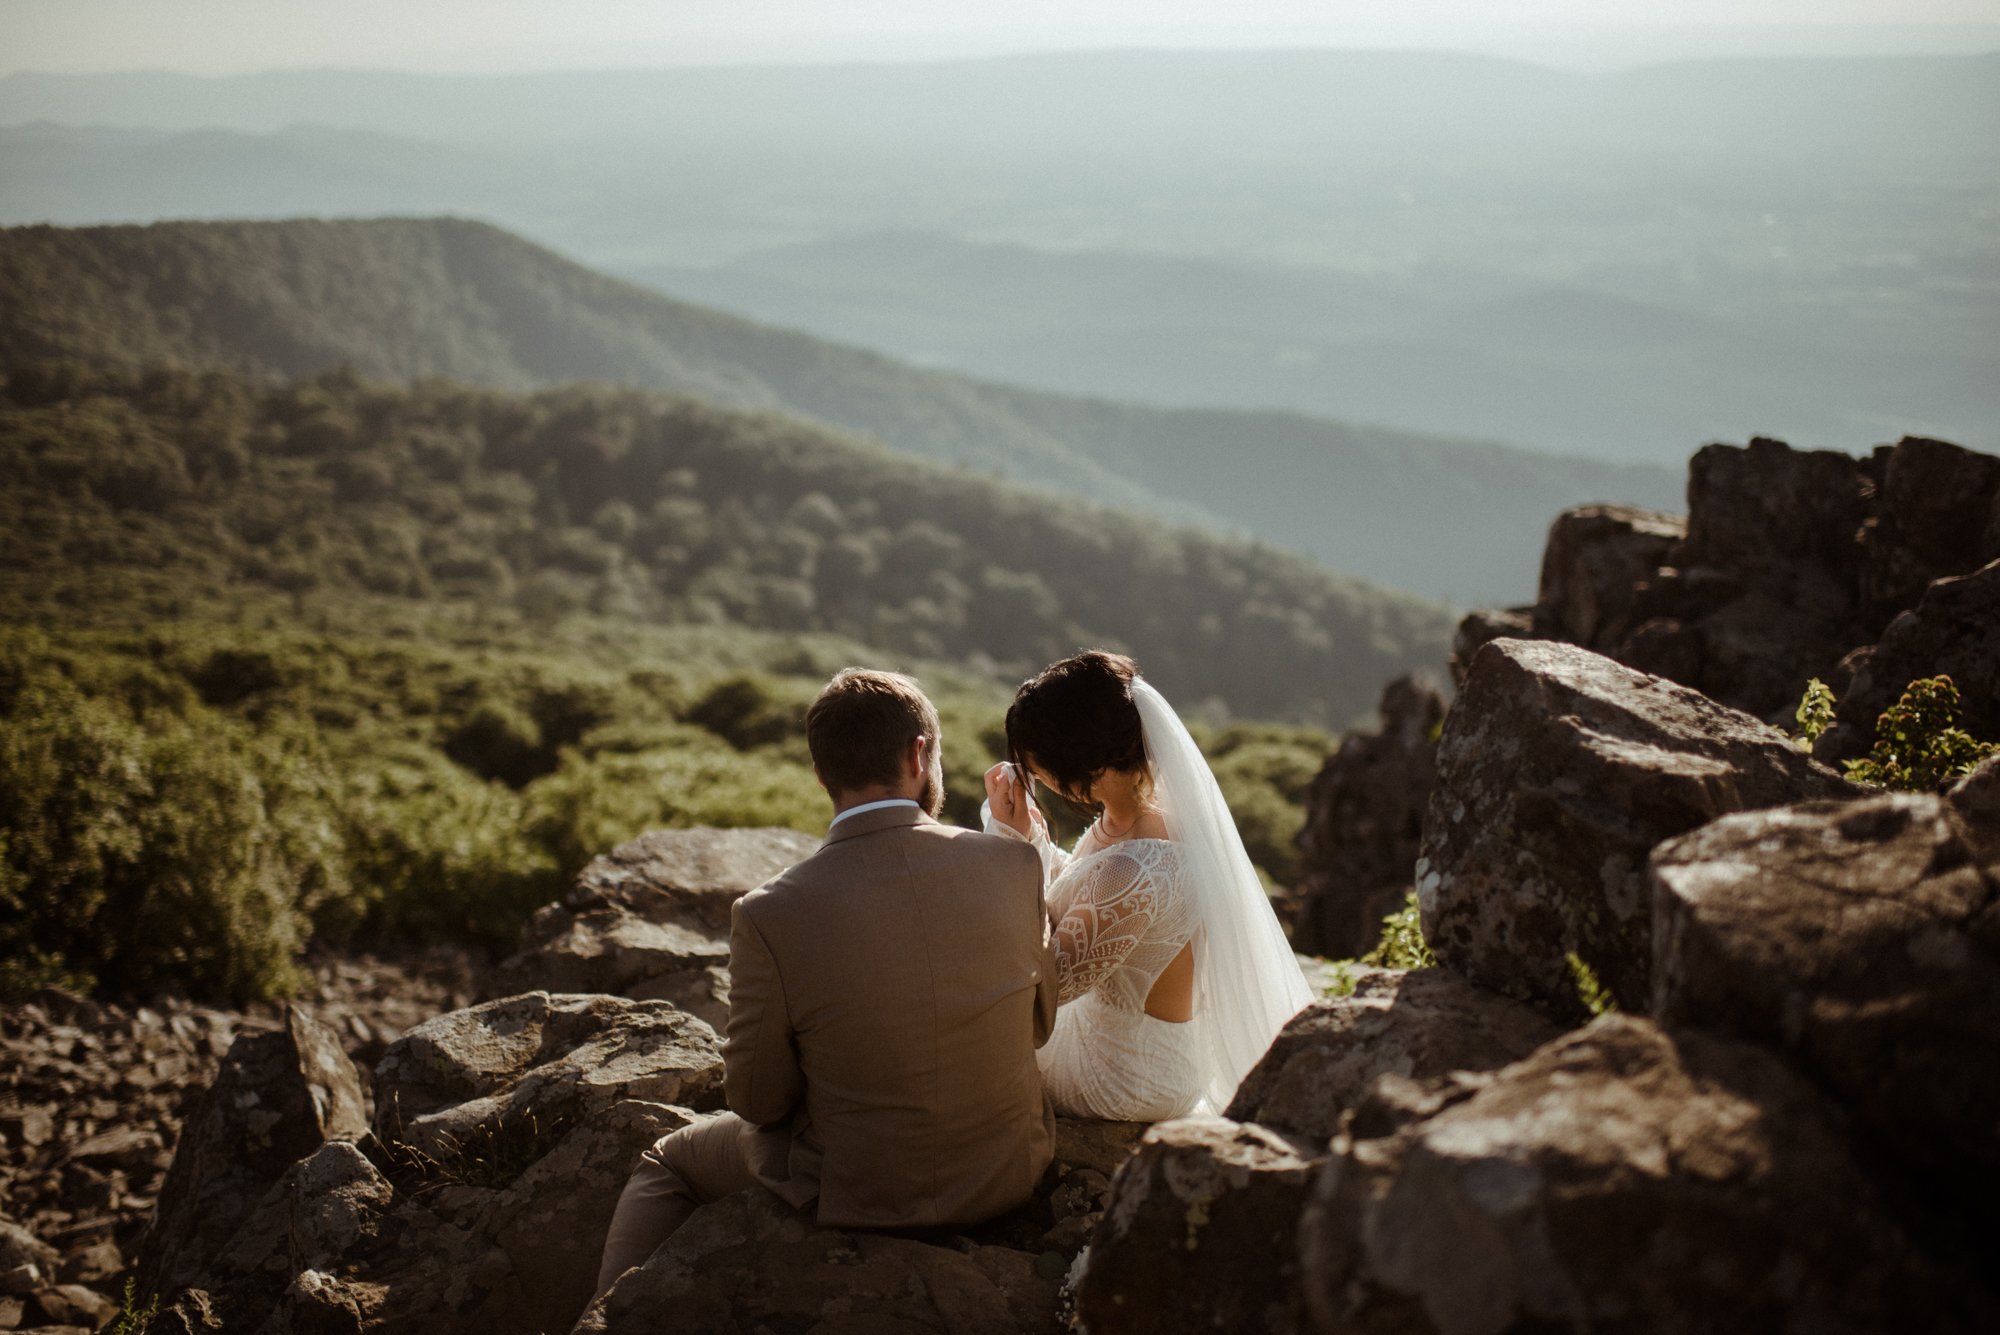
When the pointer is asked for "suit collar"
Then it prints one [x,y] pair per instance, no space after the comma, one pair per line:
[868,822]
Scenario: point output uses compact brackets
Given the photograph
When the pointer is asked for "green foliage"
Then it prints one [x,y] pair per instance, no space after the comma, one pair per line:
[533,510]
[594,803]
[168,850]
[1815,713]
[135,1315]
[1918,743]
[1590,990]
[1402,944]
[1264,771]
[326,660]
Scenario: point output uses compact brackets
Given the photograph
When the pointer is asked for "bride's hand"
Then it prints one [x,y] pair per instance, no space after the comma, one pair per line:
[1011,806]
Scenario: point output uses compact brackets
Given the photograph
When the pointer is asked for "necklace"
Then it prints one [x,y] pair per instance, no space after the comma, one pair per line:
[1104,826]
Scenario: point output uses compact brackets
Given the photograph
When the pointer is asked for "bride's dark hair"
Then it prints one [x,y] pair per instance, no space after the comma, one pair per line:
[1075,719]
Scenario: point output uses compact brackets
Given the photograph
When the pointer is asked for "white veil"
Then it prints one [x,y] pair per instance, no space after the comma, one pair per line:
[1247,981]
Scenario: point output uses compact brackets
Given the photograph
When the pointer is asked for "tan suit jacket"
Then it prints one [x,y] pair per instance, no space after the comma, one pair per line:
[887,995]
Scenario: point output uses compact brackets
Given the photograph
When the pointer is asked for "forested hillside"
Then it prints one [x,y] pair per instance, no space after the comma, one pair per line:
[319,661]
[655,509]
[406,298]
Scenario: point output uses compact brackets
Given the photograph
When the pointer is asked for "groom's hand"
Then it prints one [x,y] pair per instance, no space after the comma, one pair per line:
[1010,803]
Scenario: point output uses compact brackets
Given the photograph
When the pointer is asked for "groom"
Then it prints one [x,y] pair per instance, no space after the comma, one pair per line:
[887,995]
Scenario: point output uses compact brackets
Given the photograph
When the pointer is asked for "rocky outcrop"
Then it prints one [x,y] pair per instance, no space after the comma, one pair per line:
[753,1263]
[1954,630]
[1417,1025]
[1558,772]
[650,919]
[93,1094]
[465,1077]
[1620,1177]
[1862,940]
[1596,560]
[277,1097]
[1198,1235]
[1790,560]
[1364,820]
[504,1134]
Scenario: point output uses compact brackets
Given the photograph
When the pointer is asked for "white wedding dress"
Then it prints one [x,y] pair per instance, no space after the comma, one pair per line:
[1123,911]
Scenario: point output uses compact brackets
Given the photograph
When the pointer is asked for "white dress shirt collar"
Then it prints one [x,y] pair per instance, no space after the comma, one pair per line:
[872,806]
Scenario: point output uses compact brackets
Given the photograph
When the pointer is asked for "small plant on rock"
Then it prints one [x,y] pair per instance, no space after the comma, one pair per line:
[1402,945]
[1918,743]
[1815,713]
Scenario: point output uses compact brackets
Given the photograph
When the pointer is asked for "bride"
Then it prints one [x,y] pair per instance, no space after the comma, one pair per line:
[1174,975]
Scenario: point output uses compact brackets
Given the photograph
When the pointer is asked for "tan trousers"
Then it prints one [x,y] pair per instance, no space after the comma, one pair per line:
[685,1170]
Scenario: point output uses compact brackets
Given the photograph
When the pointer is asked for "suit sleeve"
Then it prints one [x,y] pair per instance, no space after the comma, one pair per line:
[760,1062]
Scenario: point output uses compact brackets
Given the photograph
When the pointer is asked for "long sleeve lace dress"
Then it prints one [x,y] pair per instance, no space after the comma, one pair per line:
[1122,913]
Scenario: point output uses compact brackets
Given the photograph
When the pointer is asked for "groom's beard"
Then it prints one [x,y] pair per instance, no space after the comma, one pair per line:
[931,799]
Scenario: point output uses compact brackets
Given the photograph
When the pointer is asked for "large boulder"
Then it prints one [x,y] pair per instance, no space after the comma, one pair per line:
[1619,1178]
[1863,940]
[751,1262]
[1418,1025]
[1595,559]
[1954,630]
[1937,513]
[277,1097]
[1558,772]
[650,919]
[1364,820]
[471,1076]
[1199,1233]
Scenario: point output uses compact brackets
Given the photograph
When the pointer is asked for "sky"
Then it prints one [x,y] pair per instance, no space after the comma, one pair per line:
[229,36]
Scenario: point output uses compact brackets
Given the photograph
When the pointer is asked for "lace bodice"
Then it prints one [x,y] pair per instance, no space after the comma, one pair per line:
[1121,911]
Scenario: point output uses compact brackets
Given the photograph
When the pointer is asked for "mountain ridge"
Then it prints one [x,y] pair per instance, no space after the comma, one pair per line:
[407,298]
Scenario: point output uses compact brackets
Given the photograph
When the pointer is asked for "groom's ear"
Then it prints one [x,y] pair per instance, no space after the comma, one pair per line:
[820,779]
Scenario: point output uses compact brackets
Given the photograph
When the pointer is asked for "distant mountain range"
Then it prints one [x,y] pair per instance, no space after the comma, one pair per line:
[408,298]
[1615,266]
[1606,375]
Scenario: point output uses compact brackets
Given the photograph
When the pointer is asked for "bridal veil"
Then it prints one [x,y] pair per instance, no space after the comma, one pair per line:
[1247,982]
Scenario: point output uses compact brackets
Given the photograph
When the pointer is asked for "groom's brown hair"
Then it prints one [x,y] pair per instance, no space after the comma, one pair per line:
[861,724]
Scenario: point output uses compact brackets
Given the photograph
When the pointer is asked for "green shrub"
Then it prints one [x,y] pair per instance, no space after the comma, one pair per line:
[1919,746]
[594,803]
[439,854]
[182,853]
[1918,743]
[1402,944]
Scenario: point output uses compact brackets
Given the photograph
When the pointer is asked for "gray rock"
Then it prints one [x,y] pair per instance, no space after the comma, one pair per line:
[1198,1234]
[277,1098]
[651,918]
[1558,772]
[485,1213]
[1419,1025]
[750,1262]
[1480,627]
[1976,799]
[529,1065]
[26,1262]
[1596,557]
[1363,824]
[315,1303]
[192,1312]
[1862,939]
[1619,1178]
[518,1255]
